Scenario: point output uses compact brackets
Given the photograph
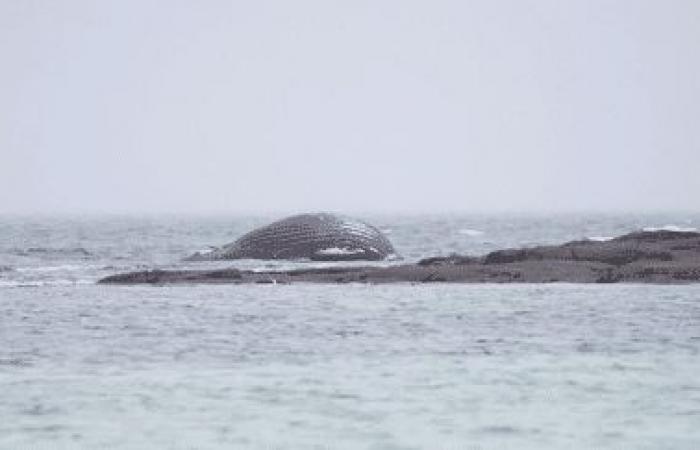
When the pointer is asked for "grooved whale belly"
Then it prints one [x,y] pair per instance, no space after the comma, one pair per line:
[318,237]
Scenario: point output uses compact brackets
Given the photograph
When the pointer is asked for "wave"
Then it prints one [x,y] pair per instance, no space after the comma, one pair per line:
[470,232]
[6,269]
[43,283]
[59,268]
[123,267]
[600,238]
[52,251]
[671,228]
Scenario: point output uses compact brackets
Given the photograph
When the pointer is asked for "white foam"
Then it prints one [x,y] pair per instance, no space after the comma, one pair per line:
[62,267]
[675,228]
[600,238]
[470,232]
[17,284]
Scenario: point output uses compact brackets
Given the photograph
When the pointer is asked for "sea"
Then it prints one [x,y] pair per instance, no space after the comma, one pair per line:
[313,366]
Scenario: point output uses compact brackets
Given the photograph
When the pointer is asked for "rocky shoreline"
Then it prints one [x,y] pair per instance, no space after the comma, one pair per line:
[665,257]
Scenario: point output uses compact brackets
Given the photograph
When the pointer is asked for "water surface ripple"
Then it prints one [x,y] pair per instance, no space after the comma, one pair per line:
[352,366]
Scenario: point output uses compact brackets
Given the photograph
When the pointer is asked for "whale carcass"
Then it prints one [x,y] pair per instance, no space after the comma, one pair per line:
[319,237]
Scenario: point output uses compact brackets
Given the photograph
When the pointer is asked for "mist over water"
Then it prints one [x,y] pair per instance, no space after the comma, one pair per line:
[152,106]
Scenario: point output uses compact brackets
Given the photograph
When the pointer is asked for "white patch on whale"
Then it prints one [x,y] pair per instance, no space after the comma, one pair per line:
[335,251]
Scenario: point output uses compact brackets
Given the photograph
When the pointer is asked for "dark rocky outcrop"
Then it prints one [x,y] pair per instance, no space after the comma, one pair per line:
[452,259]
[173,276]
[615,252]
[639,257]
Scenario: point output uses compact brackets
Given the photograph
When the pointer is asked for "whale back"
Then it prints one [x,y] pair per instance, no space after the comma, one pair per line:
[319,236]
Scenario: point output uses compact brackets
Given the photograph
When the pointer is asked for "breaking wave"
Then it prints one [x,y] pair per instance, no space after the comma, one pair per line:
[43,283]
[470,232]
[52,251]
[671,228]
[600,238]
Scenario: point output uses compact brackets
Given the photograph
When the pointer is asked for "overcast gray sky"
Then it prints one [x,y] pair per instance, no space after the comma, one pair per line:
[225,106]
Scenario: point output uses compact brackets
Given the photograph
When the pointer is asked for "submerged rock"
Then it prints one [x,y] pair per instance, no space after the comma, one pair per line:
[319,237]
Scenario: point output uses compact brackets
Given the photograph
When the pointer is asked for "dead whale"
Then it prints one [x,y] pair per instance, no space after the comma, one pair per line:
[319,237]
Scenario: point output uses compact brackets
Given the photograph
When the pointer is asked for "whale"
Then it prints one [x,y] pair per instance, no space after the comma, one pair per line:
[314,236]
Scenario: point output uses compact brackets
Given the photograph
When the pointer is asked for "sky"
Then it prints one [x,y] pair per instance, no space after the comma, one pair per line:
[143,106]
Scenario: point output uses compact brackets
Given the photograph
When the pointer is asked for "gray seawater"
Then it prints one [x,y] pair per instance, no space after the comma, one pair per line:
[324,366]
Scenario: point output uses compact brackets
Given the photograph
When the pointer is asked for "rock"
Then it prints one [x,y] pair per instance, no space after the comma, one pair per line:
[173,276]
[616,252]
[452,259]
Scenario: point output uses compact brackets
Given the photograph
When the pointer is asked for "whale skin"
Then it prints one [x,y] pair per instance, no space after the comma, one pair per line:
[316,236]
